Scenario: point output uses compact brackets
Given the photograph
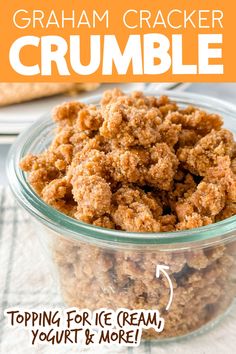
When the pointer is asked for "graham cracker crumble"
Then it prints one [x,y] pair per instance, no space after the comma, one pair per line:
[141,164]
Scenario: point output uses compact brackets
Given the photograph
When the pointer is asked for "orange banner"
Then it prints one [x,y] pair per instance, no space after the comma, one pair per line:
[111,41]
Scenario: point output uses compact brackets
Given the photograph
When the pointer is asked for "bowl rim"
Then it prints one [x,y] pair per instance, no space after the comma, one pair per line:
[61,223]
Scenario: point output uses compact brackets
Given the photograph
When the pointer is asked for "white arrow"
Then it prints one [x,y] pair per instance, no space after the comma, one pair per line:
[161,268]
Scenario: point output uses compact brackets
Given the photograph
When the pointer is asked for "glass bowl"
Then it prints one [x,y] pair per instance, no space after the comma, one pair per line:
[102,268]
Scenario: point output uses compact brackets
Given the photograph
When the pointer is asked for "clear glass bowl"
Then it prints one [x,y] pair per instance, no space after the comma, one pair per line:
[99,268]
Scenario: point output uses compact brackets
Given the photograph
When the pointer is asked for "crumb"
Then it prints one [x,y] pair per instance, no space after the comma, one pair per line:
[93,195]
[205,153]
[209,198]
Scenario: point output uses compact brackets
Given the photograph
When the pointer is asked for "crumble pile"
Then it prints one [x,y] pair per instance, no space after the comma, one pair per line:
[137,163]
[141,164]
